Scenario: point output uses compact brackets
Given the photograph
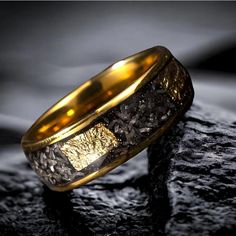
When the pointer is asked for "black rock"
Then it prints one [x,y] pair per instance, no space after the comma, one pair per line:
[116,204]
[193,175]
[188,190]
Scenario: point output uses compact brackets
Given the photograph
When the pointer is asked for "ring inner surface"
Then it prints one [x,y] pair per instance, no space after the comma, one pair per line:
[91,95]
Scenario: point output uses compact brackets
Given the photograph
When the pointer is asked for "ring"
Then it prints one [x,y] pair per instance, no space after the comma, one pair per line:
[108,119]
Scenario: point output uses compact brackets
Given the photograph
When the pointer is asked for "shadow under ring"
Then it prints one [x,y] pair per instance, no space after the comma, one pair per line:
[108,119]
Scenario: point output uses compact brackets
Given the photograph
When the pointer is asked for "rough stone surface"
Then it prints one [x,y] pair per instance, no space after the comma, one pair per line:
[188,190]
[193,175]
[110,205]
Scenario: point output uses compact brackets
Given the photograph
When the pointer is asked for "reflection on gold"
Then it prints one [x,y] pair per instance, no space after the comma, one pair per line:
[43,128]
[65,120]
[150,60]
[96,96]
[56,128]
[109,92]
[118,64]
[87,147]
[70,112]
[123,72]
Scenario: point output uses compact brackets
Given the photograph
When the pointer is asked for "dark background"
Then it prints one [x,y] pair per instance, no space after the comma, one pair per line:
[47,49]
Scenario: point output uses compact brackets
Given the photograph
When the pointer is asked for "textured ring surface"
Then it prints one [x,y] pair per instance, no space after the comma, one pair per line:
[109,136]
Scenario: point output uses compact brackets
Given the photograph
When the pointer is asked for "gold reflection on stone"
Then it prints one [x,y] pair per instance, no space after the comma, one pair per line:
[87,147]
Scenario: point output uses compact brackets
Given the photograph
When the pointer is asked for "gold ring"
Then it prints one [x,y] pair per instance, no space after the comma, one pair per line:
[108,119]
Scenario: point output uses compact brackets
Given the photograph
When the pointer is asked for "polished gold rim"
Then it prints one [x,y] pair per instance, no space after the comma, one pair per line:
[127,75]
[108,119]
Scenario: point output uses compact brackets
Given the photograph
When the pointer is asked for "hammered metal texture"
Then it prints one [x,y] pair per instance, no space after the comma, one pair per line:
[85,148]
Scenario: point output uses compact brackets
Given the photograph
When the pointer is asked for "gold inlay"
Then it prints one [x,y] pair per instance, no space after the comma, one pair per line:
[87,147]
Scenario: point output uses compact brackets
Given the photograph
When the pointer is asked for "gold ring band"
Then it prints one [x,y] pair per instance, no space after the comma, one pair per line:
[108,119]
